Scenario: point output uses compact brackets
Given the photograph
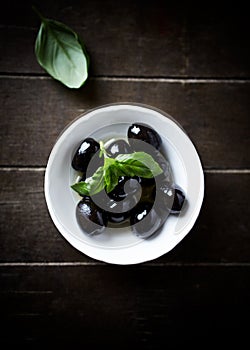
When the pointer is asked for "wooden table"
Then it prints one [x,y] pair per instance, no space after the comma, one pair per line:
[193,63]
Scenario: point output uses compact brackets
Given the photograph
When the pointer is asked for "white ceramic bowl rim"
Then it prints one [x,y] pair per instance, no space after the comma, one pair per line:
[185,163]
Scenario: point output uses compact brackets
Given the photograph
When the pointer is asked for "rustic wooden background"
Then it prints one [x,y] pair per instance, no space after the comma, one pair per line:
[192,61]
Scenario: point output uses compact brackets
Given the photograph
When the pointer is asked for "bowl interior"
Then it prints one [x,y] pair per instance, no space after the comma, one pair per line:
[102,124]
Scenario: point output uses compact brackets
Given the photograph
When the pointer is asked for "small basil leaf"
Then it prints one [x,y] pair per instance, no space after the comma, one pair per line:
[123,170]
[91,185]
[81,187]
[109,162]
[111,178]
[139,164]
[61,53]
[96,182]
[135,164]
[136,169]
[110,173]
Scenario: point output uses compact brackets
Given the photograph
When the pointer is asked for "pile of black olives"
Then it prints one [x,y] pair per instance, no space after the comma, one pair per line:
[143,203]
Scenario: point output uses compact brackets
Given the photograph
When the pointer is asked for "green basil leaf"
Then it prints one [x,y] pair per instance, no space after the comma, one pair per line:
[134,164]
[61,53]
[111,178]
[139,164]
[81,187]
[110,174]
[91,185]
[136,169]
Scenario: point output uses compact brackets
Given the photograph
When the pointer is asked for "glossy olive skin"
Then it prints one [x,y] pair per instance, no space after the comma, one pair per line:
[166,175]
[148,188]
[144,133]
[179,198]
[84,153]
[83,177]
[126,186]
[90,217]
[122,199]
[144,220]
[170,198]
[118,147]
[118,218]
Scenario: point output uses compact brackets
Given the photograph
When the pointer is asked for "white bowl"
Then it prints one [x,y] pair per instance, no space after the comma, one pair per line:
[121,246]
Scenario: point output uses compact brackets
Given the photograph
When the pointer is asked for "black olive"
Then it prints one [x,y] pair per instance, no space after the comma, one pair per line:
[95,163]
[144,133]
[179,198]
[83,177]
[126,186]
[164,199]
[118,147]
[90,217]
[144,220]
[118,218]
[166,175]
[147,187]
[119,206]
[84,153]
[169,199]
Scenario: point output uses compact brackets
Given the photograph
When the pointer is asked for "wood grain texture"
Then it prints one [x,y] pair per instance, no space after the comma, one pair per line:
[136,38]
[197,295]
[35,111]
[220,235]
[125,306]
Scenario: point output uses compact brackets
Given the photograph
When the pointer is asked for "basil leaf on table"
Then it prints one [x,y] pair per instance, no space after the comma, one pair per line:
[61,53]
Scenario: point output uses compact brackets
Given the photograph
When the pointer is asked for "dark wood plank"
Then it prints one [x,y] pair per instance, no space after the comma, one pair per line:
[21,40]
[197,294]
[122,38]
[136,38]
[221,233]
[217,40]
[27,232]
[35,111]
[125,306]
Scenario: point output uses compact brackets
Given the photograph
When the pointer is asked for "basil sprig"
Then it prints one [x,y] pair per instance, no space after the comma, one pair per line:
[134,164]
[61,53]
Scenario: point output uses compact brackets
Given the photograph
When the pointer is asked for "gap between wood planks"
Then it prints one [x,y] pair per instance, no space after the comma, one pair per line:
[147,264]
[178,80]
[42,169]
